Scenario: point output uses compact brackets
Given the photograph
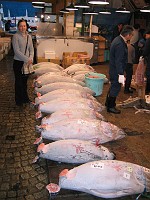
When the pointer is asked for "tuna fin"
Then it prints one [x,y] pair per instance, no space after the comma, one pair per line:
[40,147]
[53,188]
[64,172]
[38,115]
[38,140]
[38,94]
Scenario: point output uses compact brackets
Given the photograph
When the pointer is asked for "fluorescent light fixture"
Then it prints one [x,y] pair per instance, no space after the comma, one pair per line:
[38,4]
[71,7]
[81,5]
[105,12]
[98,2]
[64,10]
[122,10]
[145,9]
[90,12]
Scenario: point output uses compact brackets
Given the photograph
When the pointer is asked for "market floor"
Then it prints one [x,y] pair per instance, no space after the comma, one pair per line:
[20,179]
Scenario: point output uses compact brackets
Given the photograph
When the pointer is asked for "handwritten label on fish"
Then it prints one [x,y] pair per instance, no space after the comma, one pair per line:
[126,175]
[97,165]
[129,169]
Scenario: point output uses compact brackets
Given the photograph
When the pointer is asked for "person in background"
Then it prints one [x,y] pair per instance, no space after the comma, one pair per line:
[142,41]
[146,55]
[23,52]
[117,65]
[117,31]
[8,25]
[134,41]
[129,68]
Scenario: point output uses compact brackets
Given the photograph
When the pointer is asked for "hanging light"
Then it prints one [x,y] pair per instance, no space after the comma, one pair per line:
[38,4]
[64,11]
[145,9]
[71,7]
[105,12]
[98,2]
[122,10]
[83,4]
[90,11]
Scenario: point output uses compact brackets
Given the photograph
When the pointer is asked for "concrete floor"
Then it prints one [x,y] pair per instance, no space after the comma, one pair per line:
[20,179]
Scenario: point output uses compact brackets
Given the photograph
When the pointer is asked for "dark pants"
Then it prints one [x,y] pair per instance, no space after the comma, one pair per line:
[115,86]
[21,95]
[129,73]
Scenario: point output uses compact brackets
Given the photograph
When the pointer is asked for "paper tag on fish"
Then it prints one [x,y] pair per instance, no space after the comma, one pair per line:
[81,122]
[146,169]
[97,165]
[129,169]
[126,175]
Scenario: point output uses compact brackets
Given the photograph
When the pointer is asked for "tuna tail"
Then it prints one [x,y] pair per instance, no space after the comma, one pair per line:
[53,189]
[146,172]
[38,141]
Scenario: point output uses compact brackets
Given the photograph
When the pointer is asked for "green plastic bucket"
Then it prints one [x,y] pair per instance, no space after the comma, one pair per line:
[95,82]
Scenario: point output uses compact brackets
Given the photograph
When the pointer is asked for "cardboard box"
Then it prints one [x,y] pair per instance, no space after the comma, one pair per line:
[56,60]
[70,58]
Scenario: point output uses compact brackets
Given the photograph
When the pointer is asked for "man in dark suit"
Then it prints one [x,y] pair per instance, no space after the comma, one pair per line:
[118,62]
[146,55]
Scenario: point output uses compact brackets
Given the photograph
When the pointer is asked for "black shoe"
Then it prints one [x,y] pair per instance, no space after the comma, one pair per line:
[113,110]
[129,91]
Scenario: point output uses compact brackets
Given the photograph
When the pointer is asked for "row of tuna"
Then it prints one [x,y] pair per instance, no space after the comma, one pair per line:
[73,124]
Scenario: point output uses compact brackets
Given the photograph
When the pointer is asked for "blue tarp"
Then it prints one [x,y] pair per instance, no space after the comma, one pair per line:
[18,8]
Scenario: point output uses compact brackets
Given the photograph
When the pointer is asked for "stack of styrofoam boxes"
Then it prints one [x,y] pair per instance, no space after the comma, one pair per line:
[70,58]
[5,42]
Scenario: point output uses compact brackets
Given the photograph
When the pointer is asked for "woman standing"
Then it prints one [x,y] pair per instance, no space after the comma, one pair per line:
[23,53]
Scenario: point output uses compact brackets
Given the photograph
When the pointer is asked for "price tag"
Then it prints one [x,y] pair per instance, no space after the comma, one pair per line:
[97,165]
[129,169]
[126,175]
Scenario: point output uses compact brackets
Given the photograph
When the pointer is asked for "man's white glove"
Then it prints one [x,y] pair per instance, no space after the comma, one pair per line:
[141,58]
[121,79]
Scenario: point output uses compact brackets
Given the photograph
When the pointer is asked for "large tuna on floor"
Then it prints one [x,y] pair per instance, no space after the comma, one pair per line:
[48,78]
[62,93]
[78,67]
[69,103]
[71,114]
[73,151]
[105,178]
[49,64]
[46,68]
[96,131]
[62,85]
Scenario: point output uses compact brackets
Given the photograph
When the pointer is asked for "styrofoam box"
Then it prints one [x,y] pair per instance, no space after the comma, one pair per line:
[50,54]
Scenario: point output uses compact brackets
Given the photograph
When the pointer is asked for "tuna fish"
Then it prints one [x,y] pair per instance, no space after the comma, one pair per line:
[71,114]
[96,131]
[48,78]
[78,67]
[74,151]
[49,64]
[62,92]
[69,103]
[105,178]
[62,85]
